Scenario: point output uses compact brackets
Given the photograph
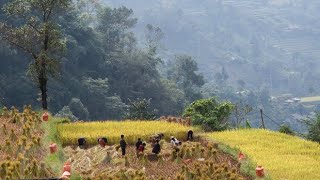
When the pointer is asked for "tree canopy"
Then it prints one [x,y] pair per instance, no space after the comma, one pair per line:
[98,66]
[210,114]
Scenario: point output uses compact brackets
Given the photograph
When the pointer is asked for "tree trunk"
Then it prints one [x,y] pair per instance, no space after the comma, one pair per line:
[43,88]
[42,75]
[43,85]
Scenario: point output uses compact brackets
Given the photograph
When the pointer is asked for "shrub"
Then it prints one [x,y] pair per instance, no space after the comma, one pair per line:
[314,128]
[209,113]
[65,112]
[286,129]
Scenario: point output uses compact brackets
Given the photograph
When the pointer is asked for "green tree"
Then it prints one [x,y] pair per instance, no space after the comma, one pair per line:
[140,110]
[153,36]
[35,31]
[133,72]
[184,73]
[173,99]
[209,114]
[99,103]
[78,109]
[313,128]
[114,25]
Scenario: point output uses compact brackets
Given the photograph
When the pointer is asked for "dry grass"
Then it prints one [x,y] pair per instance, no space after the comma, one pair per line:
[89,162]
[22,151]
[16,129]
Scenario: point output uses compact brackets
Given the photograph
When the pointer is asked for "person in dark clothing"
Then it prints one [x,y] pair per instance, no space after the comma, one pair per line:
[82,143]
[156,148]
[190,135]
[123,145]
[138,144]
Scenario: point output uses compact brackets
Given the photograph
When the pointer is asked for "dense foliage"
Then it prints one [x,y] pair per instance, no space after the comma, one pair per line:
[273,45]
[140,110]
[102,67]
[32,28]
[271,51]
[286,129]
[111,56]
[314,128]
[210,114]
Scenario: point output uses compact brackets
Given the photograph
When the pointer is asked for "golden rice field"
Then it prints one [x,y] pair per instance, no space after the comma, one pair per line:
[284,157]
[70,132]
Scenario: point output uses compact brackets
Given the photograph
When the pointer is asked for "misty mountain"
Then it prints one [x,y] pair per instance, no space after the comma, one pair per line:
[271,44]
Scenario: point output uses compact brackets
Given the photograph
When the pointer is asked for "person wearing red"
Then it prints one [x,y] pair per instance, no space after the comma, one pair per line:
[142,147]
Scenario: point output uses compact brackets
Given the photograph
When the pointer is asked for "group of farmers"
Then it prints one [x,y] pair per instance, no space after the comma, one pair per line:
[156,148]
[140,145]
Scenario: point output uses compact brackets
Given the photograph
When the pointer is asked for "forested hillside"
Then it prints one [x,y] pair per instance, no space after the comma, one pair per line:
[274,40]
[250,51]
[101,70]
[186,89]
[119,54]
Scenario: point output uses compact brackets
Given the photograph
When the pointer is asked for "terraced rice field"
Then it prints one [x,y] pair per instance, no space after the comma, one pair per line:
[69,133]
[283,156]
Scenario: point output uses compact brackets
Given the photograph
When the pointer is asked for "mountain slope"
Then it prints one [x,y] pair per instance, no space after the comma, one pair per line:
[275,40]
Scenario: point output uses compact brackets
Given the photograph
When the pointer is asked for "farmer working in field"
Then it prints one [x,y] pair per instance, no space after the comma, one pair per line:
[190,135]
[138,143]
[156,148]
[153,138]
[123,145]
[141,149]
[175,142]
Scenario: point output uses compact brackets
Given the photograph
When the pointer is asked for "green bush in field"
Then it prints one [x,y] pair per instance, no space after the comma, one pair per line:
[286,129]
[210,114]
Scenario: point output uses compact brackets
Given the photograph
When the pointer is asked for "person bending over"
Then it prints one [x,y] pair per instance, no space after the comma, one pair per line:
[156,148]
